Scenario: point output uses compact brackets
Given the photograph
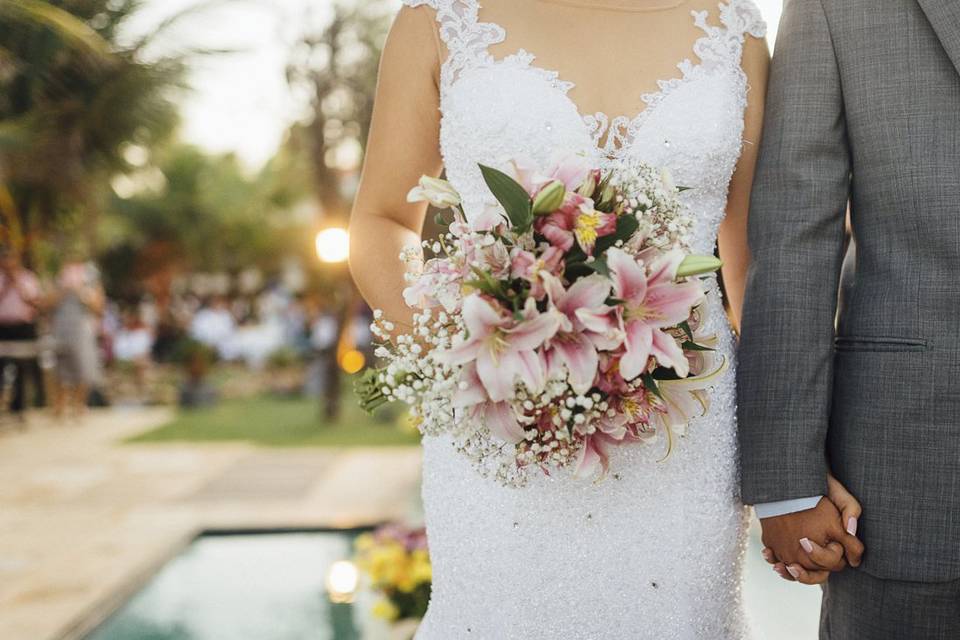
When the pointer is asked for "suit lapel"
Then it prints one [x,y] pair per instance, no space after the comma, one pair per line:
[944,16]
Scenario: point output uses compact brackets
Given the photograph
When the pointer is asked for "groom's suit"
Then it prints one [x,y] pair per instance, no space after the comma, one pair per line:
[863,106]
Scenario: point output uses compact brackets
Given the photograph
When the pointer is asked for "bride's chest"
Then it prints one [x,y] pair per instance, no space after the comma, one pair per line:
[499,112]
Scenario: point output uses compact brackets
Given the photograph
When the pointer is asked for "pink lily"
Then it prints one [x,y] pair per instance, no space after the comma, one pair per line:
[593,458]
[499,417]
[533,268]
[576,220]
[652,301]
[586,325]
[502,348]
[570,171]
[489,219]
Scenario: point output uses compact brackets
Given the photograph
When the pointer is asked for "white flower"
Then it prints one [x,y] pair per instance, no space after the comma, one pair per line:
[437,192]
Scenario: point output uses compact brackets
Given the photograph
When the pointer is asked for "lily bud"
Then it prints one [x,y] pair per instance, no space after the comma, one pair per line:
[589,185]
[608,193]
[550,198]
[698,265]
[437,192]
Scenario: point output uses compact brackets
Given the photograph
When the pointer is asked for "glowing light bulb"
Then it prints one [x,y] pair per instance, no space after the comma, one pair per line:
[333,245]
[342,580]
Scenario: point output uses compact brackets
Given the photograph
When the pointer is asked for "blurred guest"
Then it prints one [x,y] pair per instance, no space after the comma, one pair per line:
[77,303]
[324,335]
[213,325]
[20,297]
[167,336]
[133,344]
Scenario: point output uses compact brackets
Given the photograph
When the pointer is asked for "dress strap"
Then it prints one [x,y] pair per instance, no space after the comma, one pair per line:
[742,17]
[724,43]
[467,39]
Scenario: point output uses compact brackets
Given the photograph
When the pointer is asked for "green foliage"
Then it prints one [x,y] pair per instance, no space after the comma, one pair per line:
[513,197]
[72,99]
[281,422]
[208,213]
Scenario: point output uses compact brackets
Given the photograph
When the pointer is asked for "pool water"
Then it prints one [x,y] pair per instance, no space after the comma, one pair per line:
[267,586]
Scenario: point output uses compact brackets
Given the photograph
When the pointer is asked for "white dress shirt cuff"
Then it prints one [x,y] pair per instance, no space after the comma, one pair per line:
[783,507]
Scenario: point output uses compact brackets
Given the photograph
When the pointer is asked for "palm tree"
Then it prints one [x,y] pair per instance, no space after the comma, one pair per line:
[20,14]
[73,98]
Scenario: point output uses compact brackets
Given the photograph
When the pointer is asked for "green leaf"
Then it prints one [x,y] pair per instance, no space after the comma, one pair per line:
[599,265]
[651,385]
[690,345]
[63,23]
[367,389]
[486,283]
[662,373]
[627,225]
[685,327]
[576,270]
[513,197]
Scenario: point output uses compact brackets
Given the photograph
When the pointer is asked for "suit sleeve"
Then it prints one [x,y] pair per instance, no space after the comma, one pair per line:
[796,236]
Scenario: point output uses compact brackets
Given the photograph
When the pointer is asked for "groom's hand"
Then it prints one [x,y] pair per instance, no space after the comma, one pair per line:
[810,544]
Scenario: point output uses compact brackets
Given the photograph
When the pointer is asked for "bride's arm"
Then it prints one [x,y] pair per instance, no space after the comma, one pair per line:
[403,145]
[733,231]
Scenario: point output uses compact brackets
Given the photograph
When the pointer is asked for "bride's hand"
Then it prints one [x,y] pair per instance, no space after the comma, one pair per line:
[850,511]
[849,507]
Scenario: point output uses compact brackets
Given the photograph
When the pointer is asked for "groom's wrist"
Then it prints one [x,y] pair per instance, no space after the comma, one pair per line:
[783,507]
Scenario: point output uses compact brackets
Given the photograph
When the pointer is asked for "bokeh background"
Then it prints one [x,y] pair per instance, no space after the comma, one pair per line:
[180,454]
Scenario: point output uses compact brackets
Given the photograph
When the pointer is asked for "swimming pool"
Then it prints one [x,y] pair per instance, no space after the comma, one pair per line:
[260,586]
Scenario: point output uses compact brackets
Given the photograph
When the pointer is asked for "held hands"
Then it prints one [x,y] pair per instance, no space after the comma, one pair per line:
[808,545]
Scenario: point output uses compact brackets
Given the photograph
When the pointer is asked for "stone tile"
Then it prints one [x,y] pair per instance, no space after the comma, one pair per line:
[266,476]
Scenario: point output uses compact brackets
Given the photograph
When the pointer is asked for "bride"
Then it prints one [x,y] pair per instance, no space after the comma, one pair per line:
[654,550]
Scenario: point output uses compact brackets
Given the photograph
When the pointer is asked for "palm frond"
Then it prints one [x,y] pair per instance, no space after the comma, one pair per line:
[65,25]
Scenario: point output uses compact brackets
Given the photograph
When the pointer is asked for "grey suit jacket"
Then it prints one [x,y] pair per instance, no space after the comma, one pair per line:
[863,105]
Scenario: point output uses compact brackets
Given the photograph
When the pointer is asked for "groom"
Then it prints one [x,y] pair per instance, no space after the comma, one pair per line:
[864,107]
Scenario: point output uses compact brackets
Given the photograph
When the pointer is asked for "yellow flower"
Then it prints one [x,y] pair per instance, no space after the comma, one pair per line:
[421,570]
[586,227]
[385,610]
[364,542]
[384,563]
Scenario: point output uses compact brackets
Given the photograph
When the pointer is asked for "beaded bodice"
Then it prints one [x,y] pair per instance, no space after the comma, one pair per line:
[494,110]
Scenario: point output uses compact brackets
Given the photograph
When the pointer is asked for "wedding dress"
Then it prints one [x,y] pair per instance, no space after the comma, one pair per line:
[655,549]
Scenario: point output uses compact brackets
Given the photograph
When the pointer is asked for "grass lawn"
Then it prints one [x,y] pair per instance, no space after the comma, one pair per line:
[282,422]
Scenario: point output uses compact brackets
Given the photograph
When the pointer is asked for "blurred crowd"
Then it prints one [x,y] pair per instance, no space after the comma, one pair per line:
[59,335]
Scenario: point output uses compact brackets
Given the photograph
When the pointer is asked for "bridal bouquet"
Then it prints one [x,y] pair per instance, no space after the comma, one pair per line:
[558,323]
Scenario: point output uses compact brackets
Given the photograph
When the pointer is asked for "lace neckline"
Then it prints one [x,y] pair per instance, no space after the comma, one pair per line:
[469,39]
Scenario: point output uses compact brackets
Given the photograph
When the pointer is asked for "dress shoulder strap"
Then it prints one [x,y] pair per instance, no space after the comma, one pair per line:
[742,17]
[467,39]
[723,43]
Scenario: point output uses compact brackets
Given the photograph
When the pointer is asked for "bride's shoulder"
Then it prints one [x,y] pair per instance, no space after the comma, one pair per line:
[413,38]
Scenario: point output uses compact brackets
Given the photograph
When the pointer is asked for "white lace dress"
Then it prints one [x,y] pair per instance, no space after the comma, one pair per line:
[655,550]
